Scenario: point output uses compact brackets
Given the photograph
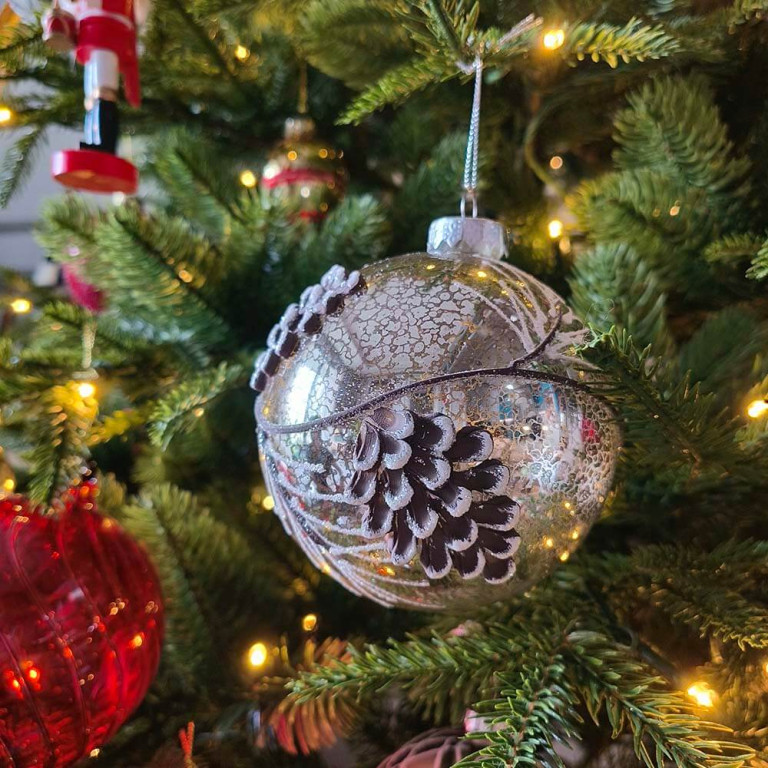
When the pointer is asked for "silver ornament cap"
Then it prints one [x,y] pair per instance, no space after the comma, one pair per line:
[467,236]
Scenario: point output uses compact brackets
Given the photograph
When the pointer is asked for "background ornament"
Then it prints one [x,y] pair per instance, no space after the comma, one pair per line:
[303,172]
[437,748]
[436,352]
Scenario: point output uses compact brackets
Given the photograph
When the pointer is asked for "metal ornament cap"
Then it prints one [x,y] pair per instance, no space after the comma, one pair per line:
[451,235]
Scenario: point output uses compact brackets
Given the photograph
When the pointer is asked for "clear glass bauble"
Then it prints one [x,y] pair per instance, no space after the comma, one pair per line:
[419,318]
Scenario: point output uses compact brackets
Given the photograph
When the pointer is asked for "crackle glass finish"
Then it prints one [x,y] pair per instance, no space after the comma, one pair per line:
[419,317]
[81,625]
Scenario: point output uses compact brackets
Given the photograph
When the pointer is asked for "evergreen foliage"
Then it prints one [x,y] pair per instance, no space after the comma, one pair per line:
[657,113]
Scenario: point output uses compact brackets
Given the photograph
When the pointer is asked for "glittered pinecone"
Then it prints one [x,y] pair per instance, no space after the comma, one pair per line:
[304,319]
[411,490]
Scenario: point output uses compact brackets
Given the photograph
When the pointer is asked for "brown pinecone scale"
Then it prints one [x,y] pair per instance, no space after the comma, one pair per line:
[427,487]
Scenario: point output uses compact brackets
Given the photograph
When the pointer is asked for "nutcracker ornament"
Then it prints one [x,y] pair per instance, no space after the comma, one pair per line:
[103,36]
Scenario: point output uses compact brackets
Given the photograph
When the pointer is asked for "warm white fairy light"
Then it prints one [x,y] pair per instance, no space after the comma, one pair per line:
[85,389]
[248,179]
[552,39]
[21,306]
[555,228]
[702,694]
[258,654]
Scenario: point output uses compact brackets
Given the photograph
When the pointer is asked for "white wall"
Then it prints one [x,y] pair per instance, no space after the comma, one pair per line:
[18,248]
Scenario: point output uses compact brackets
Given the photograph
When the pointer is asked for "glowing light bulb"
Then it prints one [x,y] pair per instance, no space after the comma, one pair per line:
[248,179]
[309,622]
[564,556]
[85,389]
[33,674]
[555,228]
[21,306]
[702,694]
[553,39]
[268,503]
[137,640]
[555,162]
[757,408]
[257,655]
[242,53]
[9,484]
[5,115]
[481,273]
[95,752]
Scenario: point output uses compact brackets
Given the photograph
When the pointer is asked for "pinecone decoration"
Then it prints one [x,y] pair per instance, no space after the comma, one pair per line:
[421,484]
[305,318]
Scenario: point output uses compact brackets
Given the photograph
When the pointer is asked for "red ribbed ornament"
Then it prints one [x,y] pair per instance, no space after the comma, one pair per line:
[81,625]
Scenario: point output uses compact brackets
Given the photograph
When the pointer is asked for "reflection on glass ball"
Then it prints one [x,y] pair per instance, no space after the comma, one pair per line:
[532,488]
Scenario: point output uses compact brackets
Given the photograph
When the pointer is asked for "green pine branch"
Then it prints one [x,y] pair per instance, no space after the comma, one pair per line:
[672,125]
[612,286]
[59,433]
[666,418]
[18,162]
[199,184]
[694,587]
[154,267]
[189,645]
[664,724]
[187,401]
[532,710]
[613,43]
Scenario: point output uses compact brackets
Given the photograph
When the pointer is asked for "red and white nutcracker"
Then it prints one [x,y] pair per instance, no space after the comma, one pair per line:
[103,36]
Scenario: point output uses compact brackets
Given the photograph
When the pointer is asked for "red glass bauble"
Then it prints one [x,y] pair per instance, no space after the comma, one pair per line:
[83,293]
[81,625]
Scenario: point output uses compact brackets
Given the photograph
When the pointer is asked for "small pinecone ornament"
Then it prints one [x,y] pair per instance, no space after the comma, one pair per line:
[438,748]
[81,627]
[303,172]
[426,427]
[300,729]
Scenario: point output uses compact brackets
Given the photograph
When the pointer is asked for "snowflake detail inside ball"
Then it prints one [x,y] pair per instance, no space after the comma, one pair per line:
[429,438]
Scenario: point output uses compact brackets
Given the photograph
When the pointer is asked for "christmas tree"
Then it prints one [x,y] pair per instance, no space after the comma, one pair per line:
[621,144]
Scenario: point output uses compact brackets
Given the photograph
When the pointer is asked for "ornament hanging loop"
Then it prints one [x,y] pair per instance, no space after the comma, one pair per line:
[471,160]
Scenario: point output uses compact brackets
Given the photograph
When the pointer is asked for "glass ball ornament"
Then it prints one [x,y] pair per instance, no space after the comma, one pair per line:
[426,429]
[81,628]
[303,172]
[436,748]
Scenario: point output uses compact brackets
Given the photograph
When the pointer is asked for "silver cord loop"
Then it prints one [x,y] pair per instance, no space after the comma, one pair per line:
[471,160]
